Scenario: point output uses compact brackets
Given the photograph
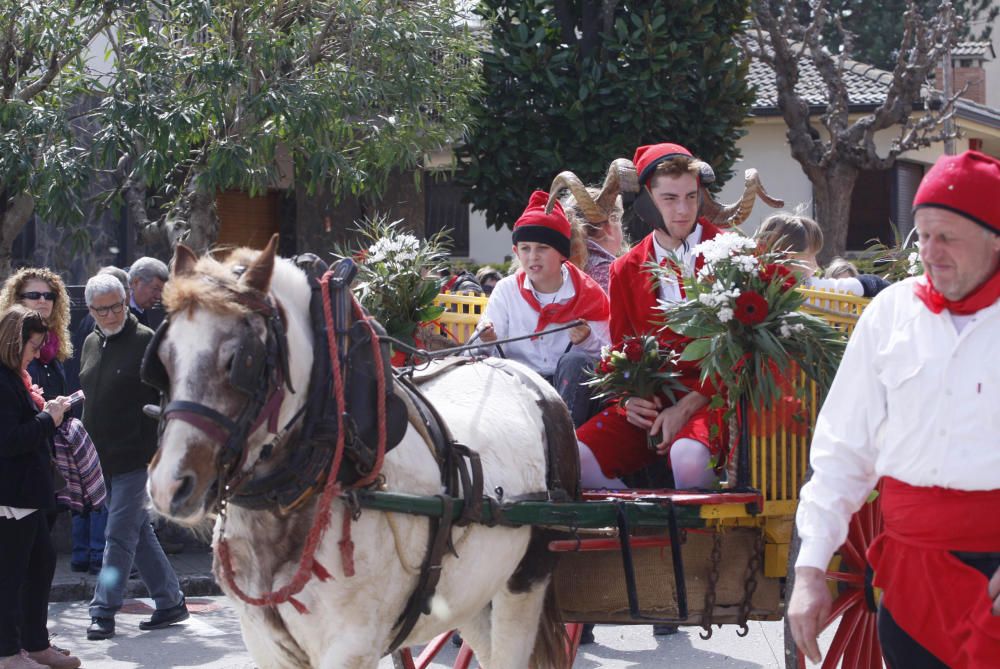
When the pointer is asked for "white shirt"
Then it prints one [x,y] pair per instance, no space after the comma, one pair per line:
[913,399]
[683,255]
[512,316]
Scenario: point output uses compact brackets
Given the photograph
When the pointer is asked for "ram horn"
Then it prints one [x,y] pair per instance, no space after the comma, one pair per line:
[732,215]
[591,211]
[621,177]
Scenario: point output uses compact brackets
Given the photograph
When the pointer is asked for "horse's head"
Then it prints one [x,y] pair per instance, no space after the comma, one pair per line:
[235,344]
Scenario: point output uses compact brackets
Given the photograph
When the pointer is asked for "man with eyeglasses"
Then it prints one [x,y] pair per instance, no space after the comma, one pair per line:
[126,441]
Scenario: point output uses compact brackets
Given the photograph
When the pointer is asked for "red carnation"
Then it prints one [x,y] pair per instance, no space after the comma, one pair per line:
[633,350]
[771,271]
[605,367]
[751,308]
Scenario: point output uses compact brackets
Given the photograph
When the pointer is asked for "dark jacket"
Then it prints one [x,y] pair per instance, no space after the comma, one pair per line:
[114,396]
[25,448]
[50,377]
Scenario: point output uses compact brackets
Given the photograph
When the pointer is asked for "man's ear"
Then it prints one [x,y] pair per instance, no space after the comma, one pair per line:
[513,249]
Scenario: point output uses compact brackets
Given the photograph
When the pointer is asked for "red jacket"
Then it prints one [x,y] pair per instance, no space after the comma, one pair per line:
[633,293]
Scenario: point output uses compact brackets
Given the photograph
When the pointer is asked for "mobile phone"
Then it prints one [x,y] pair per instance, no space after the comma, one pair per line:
[76,397]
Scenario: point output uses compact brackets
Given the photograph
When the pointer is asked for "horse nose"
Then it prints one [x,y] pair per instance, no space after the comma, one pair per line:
[182,487]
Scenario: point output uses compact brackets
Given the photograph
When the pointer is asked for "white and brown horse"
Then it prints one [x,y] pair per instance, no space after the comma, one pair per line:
[494,588]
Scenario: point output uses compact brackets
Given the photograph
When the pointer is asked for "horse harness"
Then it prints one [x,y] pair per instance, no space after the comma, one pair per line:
[260,372]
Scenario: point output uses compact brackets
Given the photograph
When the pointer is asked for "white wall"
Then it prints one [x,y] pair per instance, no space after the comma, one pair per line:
[486,245]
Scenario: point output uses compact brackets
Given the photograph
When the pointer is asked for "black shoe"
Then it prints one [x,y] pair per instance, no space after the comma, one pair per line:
[79,566]
[101,628]
[456,640]
[587,636]
[663,629]
[165,617]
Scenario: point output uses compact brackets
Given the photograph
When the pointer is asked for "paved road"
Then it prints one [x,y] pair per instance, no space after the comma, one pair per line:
[211,639]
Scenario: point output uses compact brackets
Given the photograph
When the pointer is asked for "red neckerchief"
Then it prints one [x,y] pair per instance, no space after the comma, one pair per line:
[590,302]
[912,560]
[671,263]
[986,294]
[36,397]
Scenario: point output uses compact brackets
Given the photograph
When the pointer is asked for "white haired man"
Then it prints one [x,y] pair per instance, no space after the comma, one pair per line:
[126,441]
[915,404]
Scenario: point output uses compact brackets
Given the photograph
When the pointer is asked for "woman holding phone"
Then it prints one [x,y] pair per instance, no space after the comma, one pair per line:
[27,491]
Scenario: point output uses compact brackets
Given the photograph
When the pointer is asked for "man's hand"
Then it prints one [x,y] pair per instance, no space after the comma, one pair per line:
[667,424]
[808,609]
[579,334]
[994,591]
[486,331]
[640,412]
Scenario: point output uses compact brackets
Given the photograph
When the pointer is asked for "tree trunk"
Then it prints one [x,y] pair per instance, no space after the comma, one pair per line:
[16,215]
[832,189]
[193,220]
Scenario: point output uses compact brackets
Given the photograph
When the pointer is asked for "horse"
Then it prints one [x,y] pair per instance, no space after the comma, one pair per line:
[494,582]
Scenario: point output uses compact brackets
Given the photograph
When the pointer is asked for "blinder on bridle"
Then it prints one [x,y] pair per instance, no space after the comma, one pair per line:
[244,374]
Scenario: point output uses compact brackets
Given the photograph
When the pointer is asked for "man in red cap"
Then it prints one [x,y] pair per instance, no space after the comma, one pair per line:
[915,404]
[546,291]
[616,442]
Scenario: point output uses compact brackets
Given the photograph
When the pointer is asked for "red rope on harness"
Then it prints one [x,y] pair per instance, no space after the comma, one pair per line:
[308,567]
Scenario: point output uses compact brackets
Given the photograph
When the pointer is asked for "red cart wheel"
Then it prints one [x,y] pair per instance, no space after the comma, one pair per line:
[855,643]
[404,659]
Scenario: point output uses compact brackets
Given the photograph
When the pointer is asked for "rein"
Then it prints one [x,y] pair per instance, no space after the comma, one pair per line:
[308,566]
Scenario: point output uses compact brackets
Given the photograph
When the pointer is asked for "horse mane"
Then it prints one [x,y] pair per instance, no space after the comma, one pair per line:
[211,286]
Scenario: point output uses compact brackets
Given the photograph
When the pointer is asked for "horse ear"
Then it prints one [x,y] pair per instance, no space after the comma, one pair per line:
[258,274]
[184,260]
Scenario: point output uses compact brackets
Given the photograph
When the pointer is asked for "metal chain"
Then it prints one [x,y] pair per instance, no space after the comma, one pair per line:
[750,582]
[713,578]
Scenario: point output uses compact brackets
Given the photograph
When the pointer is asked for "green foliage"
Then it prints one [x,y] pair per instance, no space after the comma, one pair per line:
[895,262]
[562,92]
[747,329]
[42,76]
[877,27]
[344,90]
[398,275]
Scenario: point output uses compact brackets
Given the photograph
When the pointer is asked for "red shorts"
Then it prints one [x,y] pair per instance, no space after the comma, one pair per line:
[621,448]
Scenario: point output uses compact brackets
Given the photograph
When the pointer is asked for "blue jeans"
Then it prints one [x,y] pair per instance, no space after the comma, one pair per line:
[572,370]
[130,538]
[88,536]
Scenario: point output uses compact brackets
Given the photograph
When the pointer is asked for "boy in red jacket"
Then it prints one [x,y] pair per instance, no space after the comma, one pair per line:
[618,442]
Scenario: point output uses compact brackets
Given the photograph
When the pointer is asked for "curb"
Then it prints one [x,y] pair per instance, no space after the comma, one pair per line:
[83,589]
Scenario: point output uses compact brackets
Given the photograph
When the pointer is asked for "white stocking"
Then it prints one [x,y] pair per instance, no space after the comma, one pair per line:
[591,475]
[689,460]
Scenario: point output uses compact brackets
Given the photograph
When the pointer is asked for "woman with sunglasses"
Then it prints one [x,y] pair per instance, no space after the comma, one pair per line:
[42,290]
[27,491]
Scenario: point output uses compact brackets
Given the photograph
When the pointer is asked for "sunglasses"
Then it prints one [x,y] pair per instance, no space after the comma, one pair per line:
[114,309]
[35,295]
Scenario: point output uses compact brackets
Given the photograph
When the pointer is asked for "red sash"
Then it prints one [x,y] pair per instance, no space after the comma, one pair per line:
[936,598]
[590,302]
[986,294]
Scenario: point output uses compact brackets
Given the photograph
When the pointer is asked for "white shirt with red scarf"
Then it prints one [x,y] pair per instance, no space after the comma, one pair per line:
[512,316]
[916,398]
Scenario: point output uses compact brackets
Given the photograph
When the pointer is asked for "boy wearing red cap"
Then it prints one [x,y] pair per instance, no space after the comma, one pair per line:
[616,443]
[548,290]
[915,404]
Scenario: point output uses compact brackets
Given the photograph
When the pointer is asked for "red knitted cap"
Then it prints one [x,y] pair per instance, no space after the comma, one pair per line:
[534,225]
[648,157]
[966,184]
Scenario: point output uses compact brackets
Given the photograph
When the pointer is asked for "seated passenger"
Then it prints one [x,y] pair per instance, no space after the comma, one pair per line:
[841,268]
[547,291]
[626,438]
[802,238]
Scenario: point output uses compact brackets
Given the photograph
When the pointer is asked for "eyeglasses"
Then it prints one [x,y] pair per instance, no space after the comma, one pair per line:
[114,309]
[35,295]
